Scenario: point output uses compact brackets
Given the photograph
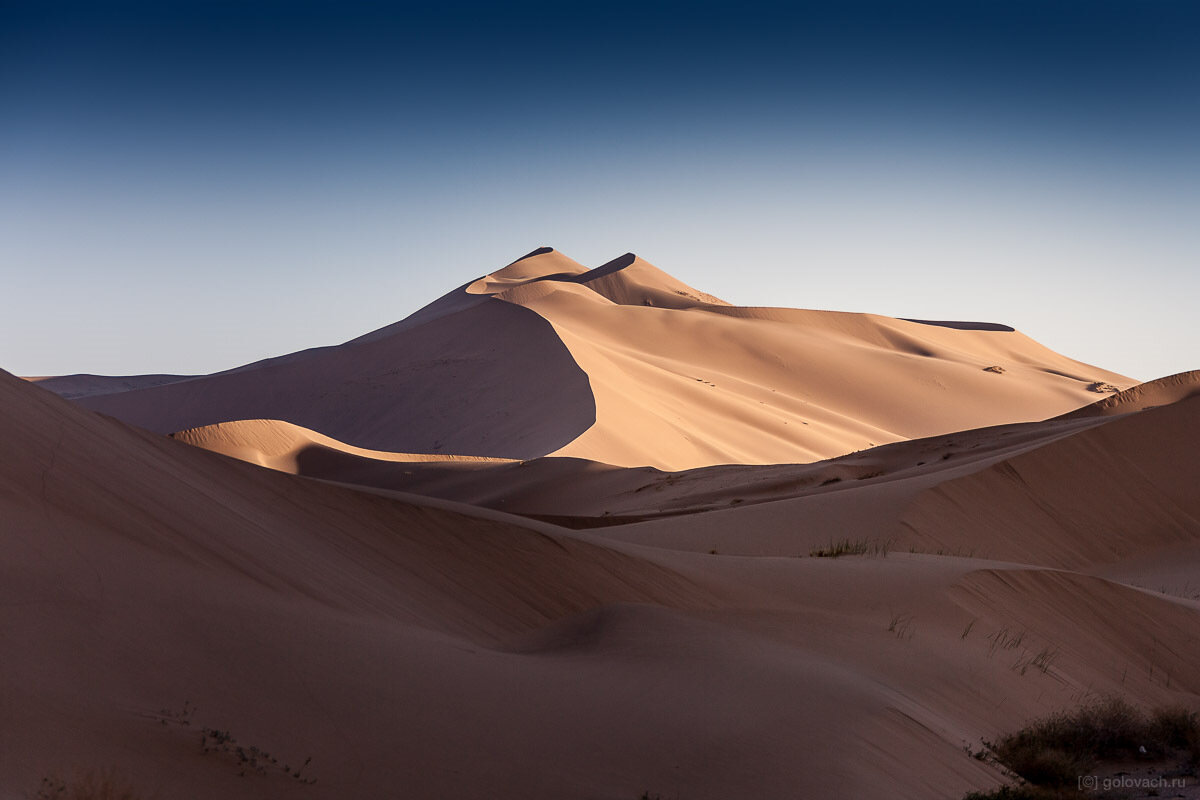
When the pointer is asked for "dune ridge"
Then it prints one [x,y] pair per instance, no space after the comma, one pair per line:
[1162,391]
[626,365]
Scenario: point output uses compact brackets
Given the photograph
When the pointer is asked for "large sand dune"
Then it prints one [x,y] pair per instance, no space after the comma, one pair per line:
[624,364]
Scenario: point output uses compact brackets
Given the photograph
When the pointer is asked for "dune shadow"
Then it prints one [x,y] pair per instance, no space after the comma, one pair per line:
[494,379]
[963,326]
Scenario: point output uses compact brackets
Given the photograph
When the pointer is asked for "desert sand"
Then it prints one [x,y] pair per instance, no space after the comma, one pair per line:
[625,365]
[555,535]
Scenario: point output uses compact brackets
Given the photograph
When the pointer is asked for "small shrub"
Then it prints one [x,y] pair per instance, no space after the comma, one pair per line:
[1178,729]
[848,547]
[1053,752]
[903,625]
[1013,793]
[842,547]
[106,784]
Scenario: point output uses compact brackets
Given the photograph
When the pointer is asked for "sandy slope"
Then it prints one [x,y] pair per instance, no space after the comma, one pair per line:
[1163,391]
[74,387]
[1077,493]
[698,382]
[437,651]
[444,385]
[626,365]
[300,451]
[1089,489]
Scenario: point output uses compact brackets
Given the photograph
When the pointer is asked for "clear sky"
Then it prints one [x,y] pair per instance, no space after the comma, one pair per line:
[189,186]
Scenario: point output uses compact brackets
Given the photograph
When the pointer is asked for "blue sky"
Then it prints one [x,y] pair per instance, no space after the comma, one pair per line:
[188,186]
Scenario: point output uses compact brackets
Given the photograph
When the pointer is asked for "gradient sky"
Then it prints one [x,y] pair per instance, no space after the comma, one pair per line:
[189,186]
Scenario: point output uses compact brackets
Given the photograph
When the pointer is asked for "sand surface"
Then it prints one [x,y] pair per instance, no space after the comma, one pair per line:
[602,581]
[626,365]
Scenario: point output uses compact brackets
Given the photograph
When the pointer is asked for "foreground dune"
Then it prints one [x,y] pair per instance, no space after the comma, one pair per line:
[423,648]
[625,365]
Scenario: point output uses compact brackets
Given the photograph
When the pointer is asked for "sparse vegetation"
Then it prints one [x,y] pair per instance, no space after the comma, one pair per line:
[1005,639]
[1040,661]
[249,760]
[903,625]
[957,552]
[1051,754]
[1024,792]
[106,784]
[182,717]
[851,547]
[842,547]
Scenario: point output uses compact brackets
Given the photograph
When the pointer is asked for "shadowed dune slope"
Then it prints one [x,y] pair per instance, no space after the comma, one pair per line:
[140,573]
[591,492]
[446,384]
[1072,492]
[68,474]
[1089,493]
[1103,495]
[441,652]
[73,387]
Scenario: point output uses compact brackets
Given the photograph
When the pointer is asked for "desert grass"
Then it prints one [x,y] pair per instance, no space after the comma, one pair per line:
[1050,754]
[851,547]
[103,784]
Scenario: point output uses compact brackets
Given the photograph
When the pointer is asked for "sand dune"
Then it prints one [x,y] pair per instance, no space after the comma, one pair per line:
[367,570]
[443,386]
[430,646]
[1161,392]
[1071,492]
[688,380]
[73,387]
[300,451]
[1113,492]
[626,365]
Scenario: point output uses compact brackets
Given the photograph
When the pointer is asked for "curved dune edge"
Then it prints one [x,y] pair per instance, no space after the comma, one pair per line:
[1159,392]
[444,383]
[922,493]
[281,445]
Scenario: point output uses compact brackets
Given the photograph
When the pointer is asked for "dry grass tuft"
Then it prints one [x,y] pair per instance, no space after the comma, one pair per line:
[104,784]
